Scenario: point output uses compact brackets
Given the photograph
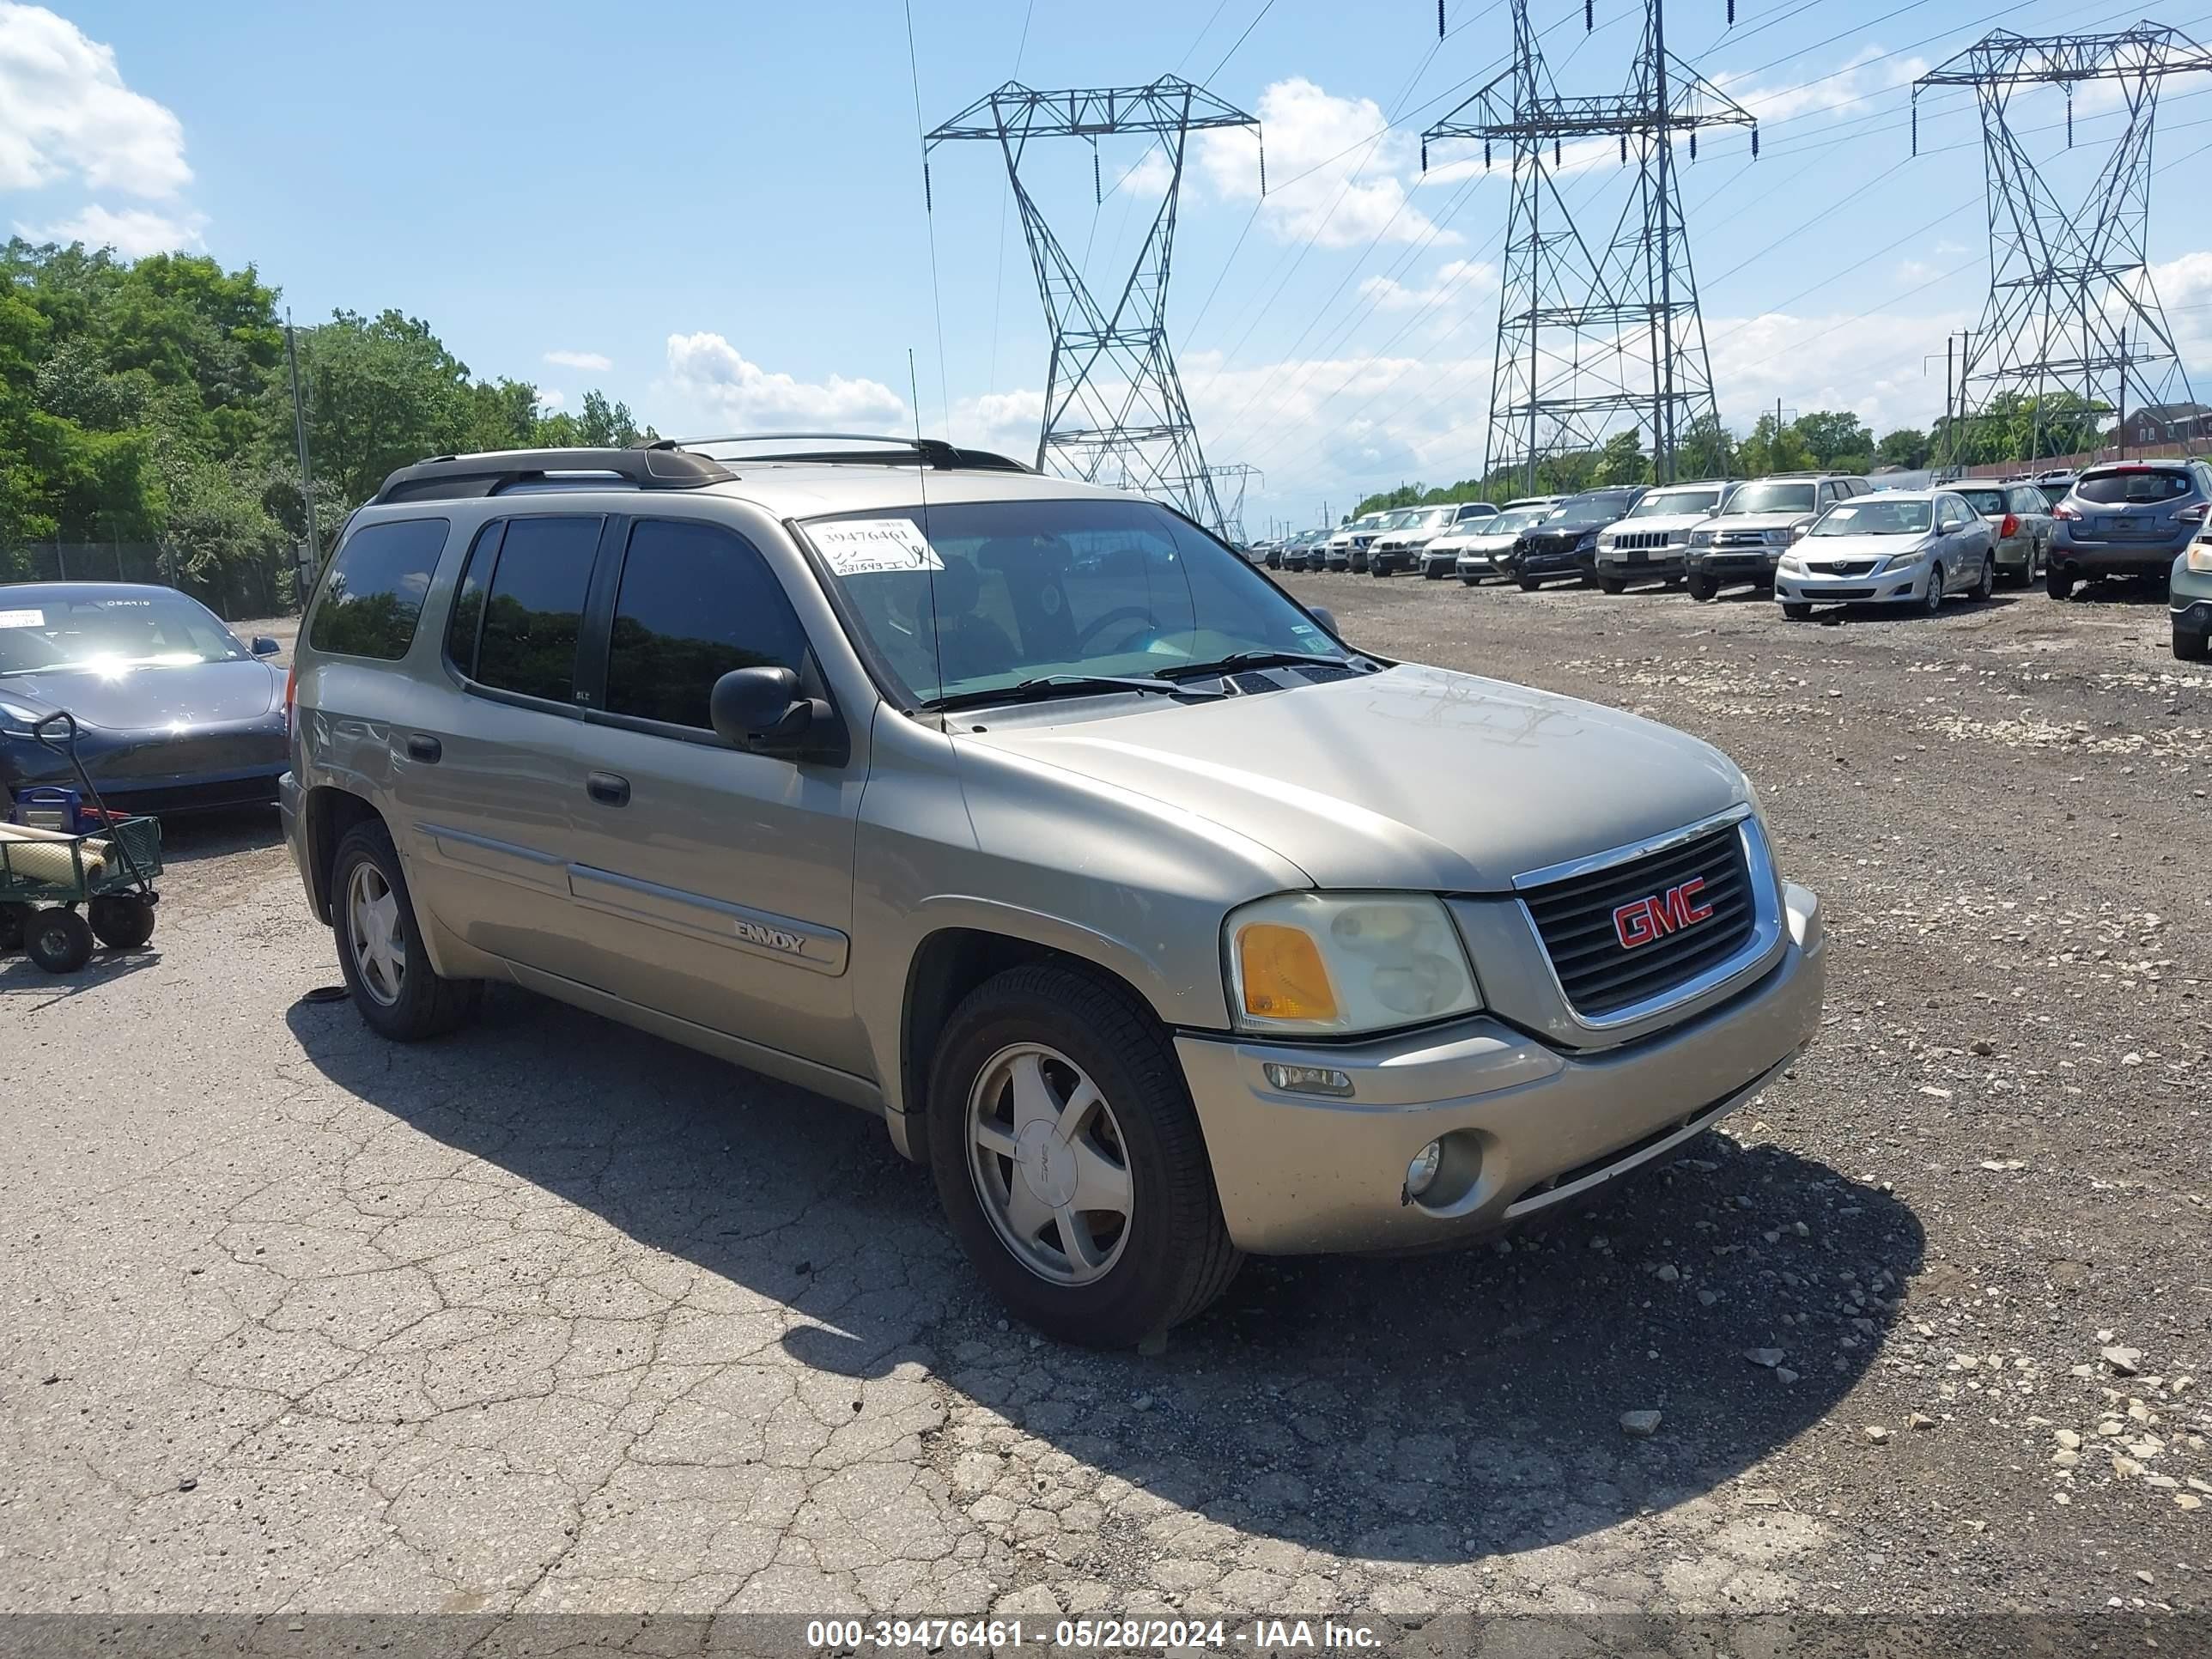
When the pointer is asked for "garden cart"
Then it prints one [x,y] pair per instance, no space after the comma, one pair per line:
[46,874]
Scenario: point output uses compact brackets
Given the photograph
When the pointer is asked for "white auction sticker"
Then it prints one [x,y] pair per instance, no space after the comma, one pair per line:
[872,547]
[22,619]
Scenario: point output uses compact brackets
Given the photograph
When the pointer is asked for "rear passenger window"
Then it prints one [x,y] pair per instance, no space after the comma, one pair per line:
[696,602]
[373,598]
[533,606]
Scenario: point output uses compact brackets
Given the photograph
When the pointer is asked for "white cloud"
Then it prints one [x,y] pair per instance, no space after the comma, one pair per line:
[550,400]
[65,112]
[1869,71]
[710,372]
[1872,365]
[587,360]
[1331,180]
[133,232]
[1006,422]
[1148,181]
[1455,282]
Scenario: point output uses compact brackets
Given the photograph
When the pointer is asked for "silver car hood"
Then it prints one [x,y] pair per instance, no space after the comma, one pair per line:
[1760,521]
[1414,778]
[1822,549]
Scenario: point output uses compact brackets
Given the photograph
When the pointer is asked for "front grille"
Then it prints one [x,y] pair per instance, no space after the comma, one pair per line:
[1739,538]
[1643,541]
[1846,592]
[1550,544]
[1843,567]
[1576,920]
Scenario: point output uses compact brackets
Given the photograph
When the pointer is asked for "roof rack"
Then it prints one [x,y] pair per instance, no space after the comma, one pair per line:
[933,453]
[453,477]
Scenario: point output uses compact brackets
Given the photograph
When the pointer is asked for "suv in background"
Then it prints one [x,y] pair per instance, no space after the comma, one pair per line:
[2127,519]
[1363,542]
[1337,552]
[1744,542]
[1649,544]
[1565,543]
[957,793]
[1406,548]
[2020,519]
[2191,599]
[1477,550]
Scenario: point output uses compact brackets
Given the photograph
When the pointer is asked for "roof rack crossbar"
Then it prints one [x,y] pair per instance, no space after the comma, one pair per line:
[934,452]
[456,477]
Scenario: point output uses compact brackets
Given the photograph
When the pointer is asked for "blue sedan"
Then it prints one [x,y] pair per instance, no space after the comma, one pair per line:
[173,714]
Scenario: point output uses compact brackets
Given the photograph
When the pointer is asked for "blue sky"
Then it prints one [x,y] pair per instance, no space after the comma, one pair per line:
[716,213]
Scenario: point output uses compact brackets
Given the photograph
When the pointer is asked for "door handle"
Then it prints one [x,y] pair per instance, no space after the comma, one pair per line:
[422,748]
[607,789]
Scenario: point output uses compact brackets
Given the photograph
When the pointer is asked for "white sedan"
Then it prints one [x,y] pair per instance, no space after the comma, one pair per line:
[1894,547]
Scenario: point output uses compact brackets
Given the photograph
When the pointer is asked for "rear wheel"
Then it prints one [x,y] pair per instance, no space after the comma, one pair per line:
[1704,589]
[2058,583]
[2189,647]
[59,941]
[1987,585]
[12,917]
[1069,1160]
[121,921]
[1795,609]
[381,948]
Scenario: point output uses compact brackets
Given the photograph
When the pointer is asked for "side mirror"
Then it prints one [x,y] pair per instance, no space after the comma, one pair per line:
[1324,616]
[262,645]
[760,710]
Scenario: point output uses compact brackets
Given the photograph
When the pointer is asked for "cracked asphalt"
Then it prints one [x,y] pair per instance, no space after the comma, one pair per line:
[551,1315]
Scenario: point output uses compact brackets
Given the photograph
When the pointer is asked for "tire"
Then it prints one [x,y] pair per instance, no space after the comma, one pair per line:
[58,940]
[407,1001]
[1931,602]
[121,921]
[11,928]
[2187,647]
[1470,581]
[1704,589]
[1797,609]
[2058,583]
[1170,1256]
[1430,573]
[1988,584]
[1612,584]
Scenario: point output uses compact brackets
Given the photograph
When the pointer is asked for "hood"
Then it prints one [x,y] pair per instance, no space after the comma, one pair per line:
[153,698]
[1673,524]
[1761,520]
[1820,549]
[1488,541]
[1415,778]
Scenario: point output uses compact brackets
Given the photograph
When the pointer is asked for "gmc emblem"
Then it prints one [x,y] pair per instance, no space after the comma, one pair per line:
[1639,923]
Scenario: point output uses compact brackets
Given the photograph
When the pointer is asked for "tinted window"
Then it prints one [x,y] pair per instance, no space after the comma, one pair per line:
[535,606]
[2112,488]
[695,602]
[375,594]
[1989,503]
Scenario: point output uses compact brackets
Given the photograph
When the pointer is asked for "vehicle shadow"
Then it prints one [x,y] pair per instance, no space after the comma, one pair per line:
[196,835]
[1431,1408]
[25,986]
[2120,591]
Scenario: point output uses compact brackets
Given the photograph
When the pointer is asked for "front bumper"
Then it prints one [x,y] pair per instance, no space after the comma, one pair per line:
[1628,564]
[159,772]
[2192,615]
[1525,1126]
[1733,564]
[1890,587]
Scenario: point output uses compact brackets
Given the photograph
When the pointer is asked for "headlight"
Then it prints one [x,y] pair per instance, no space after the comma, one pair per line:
[1605,541]
[2200,557]
[16,715]
[1588,541]
[1701,538]
[1339,963]
[1792,564]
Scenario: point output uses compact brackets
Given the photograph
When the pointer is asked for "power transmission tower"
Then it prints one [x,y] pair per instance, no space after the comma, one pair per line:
[2071,307]
[1114,404]
[1239,473]
[1588,333]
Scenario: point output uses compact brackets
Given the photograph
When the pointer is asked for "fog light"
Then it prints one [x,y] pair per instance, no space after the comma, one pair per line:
[1421,1173]
[1307,1079]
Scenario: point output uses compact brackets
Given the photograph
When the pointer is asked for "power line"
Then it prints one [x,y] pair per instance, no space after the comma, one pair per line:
[936,304]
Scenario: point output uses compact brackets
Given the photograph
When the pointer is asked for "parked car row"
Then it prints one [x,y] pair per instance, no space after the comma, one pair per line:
[1812,538]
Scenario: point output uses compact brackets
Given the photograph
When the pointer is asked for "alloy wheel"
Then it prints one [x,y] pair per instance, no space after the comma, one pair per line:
[380,946]
[1048,1161]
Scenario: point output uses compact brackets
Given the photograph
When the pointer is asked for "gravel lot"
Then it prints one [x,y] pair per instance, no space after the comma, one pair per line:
[554,1316]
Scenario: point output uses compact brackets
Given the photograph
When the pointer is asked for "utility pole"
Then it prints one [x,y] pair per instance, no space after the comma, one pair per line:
[300,437]
[2054,265]
[1949,436]
[1594,335]
[1114,403]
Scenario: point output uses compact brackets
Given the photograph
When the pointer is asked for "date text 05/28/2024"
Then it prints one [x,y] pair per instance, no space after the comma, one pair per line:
[928,1634]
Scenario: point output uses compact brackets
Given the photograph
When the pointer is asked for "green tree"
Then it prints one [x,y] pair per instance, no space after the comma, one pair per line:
[1907,447]
[1622,461]
[1834,439]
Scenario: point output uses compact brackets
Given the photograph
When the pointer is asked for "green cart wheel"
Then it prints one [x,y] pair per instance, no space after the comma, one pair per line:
[121,921]
[59,940]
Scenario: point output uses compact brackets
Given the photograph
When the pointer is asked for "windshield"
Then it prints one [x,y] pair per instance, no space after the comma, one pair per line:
[1513,520]
[1434,518]
[2139,485]
[84,629]
[1598,504]
[1673,501]
[1989,503]
[1876,515]
[1400,518]
[981,596]
[1770,498]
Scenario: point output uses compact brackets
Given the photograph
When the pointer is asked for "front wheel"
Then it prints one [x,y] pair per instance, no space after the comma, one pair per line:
[58,940]
[1069,1160]
[1470,581]
[1612,584]
[2059,584]
[1431,574]
[1704,589]
[1530,584]
[2191,647]
[1797,609]
[1932,600]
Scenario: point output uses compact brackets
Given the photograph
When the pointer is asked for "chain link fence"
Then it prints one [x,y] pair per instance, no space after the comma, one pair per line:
[247,589]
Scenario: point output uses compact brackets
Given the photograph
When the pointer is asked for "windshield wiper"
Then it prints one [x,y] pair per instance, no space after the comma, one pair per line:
[1240,659]
[1045,687]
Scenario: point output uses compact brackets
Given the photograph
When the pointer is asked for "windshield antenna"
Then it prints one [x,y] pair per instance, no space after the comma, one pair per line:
[929,563]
